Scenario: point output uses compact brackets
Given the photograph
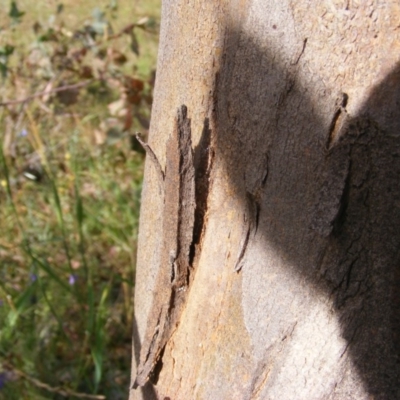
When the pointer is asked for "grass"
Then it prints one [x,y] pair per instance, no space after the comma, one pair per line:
[68,238]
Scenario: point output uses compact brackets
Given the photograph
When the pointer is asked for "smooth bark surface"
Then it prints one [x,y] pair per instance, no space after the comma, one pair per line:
[295,283]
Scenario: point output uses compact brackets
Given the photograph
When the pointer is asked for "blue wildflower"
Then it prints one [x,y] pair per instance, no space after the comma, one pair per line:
[3,379]
[23,133]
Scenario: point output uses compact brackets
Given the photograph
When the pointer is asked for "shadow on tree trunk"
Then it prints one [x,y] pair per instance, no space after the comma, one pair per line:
[321,190]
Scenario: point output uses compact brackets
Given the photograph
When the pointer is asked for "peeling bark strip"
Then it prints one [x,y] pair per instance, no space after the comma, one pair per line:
[172,282]
[154,160]
[340,139]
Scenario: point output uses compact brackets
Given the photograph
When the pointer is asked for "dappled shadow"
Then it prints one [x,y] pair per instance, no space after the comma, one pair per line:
[322,191]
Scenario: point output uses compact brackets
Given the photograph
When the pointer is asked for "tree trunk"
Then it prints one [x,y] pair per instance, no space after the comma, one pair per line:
[294,270]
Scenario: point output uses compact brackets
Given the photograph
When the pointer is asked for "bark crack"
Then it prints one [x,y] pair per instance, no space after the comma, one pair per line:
[203,163]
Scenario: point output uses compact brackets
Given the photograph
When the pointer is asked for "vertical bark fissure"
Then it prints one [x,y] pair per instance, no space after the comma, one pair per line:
[203,161]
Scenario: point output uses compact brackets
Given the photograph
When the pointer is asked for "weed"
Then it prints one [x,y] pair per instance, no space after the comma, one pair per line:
[70,186]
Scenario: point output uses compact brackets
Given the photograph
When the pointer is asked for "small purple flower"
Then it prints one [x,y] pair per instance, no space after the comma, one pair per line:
[72,279]
[23,133]
[3,379]
[33,277]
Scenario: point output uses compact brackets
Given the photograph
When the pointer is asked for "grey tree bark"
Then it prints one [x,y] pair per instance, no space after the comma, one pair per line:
[294,288]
